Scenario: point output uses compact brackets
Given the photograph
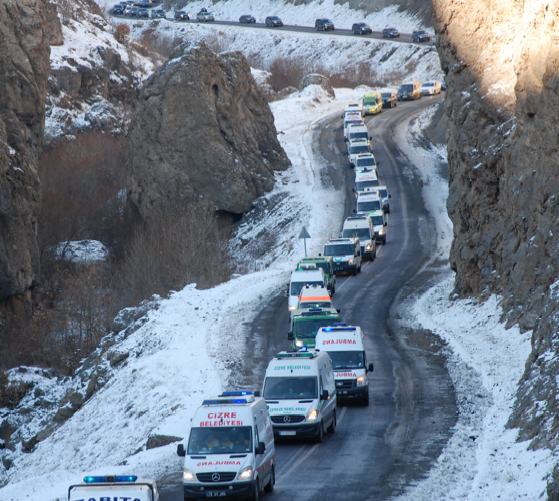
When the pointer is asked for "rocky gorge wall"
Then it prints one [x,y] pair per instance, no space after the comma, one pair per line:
[26,29]
[202,130]
[501,64]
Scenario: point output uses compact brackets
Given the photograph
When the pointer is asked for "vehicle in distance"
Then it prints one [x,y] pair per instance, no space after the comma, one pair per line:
[389,99]
[232,429]
[420,36]
[118,9]
[409,91]
[114,487]
[327,265]
[131,11]
[384,196]
[368,202]
[305,324]
[144,4]
[143,13]
[354,107]
[390,33]
[361,227]
[356,147]
[158,13]
[365,178]
[247,19]
[204,17]
[181,15]
[273,21]
[431,88]
[372,103]
[346,253]
[324,24]
[361,29]
[352,118]
[300,391]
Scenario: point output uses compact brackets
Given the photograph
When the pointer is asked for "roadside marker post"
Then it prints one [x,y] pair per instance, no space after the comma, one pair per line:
[304,235]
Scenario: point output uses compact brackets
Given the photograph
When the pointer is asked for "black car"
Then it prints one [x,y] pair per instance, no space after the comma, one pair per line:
[390,33]
[420,36]
[389,99]
[361,29]
[144,4]
[181,15]
[118,9]
[143,13]
[273,21]
[324,24]
[132,11]
[247,19]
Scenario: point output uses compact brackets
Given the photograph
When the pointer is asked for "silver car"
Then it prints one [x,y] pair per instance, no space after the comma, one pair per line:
[431,88]
[205,17]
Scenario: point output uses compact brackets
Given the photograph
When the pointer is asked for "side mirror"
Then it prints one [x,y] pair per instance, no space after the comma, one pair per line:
[377,164]
[338,310]
[260,448]
[180,450]
[389,195]
[353,189]
[324,395]
[370,138]
[352,166]
[290,336]
[354,211]
[358,253]
[257,393]
[385,223]
[371,367]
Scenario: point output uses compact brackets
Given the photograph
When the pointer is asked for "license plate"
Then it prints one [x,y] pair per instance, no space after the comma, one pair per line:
[216,494]
[287,433]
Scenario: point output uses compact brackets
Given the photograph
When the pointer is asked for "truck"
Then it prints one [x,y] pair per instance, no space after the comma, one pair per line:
[230,451]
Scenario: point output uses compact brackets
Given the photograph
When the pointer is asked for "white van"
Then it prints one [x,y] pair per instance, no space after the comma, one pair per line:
[384,196]
[111,487]
[368,201]
[345,346]
[379,225]
[358,131]
[300,278]
[356,147]
[300,391]
[365,178]
[314,296]
[346,253]
[351,119]
[354,107]
[366,161]
[361,226]
[230,451]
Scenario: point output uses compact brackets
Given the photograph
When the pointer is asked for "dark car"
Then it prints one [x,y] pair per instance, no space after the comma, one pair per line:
[144,4]
[361,29]
[143,13]
[118,9]
[273,21]
[132,11]
[390,33]
[420,36]
[158,13]
[181,15]
[324,24]
[389,99]
[247,19]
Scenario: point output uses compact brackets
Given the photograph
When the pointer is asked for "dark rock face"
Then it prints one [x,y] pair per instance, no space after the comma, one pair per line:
[202,130]
[24,68]
[502,112]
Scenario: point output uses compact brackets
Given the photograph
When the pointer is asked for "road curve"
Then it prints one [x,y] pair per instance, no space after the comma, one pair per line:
[378,450]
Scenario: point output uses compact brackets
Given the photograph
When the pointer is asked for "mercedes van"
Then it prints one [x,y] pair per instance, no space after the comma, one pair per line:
[346,253]
[230,451]
[300,391]
[361,227]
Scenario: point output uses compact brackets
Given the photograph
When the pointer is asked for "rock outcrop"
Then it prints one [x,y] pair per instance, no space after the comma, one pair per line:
[25,34]
[320,80]
[202,130]
[501,61]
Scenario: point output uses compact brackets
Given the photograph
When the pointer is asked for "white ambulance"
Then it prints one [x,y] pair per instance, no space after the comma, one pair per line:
[300,391]
[364,179]
[361,227]
[345,347]
[300,278]
[109,487]
[230,452]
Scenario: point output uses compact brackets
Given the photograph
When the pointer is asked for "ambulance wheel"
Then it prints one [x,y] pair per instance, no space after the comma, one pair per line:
[270,485]
[320,437]
[366,401]
[359,270]
[333,290]
[354,272]
[332,427]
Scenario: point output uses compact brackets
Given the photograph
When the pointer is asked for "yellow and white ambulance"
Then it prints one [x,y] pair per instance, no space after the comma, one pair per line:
[230,452]
[346,349]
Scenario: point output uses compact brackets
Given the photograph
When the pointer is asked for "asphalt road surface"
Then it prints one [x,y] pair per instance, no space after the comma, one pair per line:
[378,450]
[404,37]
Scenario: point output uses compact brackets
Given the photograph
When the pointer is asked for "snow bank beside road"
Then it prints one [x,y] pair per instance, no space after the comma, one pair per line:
[482,460]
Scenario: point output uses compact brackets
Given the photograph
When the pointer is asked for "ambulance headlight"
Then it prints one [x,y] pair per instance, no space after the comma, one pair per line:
[299,343]
[188,476]
[368,246]
[381,231]
[293,308]
[350,261]
[362,381]
[246,474]
[311,416]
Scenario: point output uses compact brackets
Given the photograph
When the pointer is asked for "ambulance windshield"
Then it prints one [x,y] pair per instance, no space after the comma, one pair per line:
[220,440]
[373,205]
[289,388]
[347,359]
[361,233]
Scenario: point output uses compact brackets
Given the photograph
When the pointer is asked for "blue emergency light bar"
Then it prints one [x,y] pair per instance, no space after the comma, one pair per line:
[110,479]
[235,393]
[337,329]
[296,354]
[336,324]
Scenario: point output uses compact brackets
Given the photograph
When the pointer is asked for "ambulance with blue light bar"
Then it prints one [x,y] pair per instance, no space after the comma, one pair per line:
[114,487]
[346,349]
[230,452]
[300,391]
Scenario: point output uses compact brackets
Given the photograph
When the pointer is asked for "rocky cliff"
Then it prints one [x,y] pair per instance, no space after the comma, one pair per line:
[25,34]
[202,130]
[501,61]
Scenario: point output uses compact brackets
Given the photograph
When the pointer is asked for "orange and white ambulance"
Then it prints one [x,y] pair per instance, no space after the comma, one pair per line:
[314,296]
[230,452]
[345,346]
